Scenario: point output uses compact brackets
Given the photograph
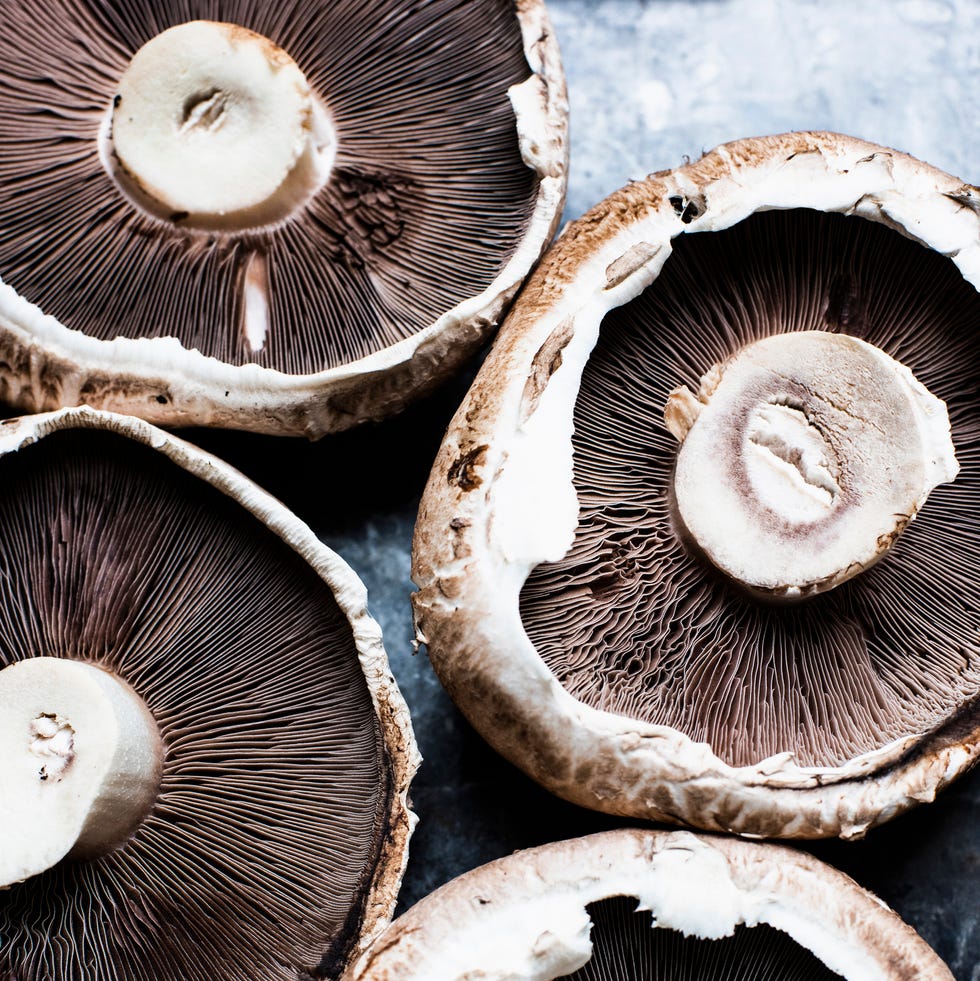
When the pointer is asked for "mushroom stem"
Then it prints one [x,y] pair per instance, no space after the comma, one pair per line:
[80,763]
[215,126]
[803,459]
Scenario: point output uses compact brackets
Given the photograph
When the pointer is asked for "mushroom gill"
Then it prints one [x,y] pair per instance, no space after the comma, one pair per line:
[426,198]
[627,944]
[258,856]
[636,621]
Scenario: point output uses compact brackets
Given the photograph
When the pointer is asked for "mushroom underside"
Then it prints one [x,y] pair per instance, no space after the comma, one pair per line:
[627,944]
[427,198]
[635,621]
[257,857]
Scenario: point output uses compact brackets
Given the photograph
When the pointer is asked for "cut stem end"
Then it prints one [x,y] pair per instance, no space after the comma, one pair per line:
[215,127]
[80,763]
[803,459]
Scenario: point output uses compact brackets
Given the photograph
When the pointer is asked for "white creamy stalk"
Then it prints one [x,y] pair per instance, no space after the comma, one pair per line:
[216,125]
[80,763]
[804,457]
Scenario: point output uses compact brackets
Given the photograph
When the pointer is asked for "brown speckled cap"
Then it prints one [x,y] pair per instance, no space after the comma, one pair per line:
[563,603]
[651,904]
[409,171]
[278,833]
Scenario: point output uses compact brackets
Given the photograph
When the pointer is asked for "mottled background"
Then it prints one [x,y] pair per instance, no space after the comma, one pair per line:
[652,82]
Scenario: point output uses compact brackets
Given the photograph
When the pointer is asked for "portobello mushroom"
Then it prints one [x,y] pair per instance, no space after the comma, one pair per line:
[287,217]
[631,904]
[748,632]
[204,756]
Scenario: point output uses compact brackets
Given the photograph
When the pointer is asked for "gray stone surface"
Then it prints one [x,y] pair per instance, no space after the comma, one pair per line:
[653,81]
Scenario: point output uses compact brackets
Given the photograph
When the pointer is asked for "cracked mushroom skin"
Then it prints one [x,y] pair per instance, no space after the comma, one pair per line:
[208,756]
[651,904]
[288,218]
[667,630]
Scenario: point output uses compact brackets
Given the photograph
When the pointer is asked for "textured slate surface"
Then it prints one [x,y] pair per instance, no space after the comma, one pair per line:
[650,83]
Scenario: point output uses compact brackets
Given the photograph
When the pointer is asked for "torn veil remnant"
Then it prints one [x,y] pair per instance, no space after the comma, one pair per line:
[280,217]
[768,629]
[205,759]
[651,904]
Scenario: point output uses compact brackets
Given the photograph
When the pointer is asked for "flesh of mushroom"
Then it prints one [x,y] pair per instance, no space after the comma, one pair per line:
[216,126]
[803,459]
[80,762]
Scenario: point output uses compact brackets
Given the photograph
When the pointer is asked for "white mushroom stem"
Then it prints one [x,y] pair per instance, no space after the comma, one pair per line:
[80,763]
[216,126]
[803,459]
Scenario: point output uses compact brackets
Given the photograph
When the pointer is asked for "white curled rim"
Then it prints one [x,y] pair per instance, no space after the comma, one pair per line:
[401,753]
[525,916]
[501,501]
[48,365]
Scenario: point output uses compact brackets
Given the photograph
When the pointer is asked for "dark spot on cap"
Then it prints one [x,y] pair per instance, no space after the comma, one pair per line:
[463,471]
[686,209]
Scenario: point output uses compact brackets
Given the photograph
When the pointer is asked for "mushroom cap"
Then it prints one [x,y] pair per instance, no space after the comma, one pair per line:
[503,517]
[446,182]
[538,914]
[279,834]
